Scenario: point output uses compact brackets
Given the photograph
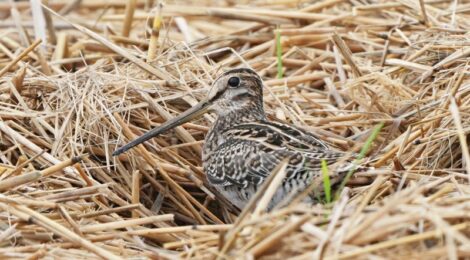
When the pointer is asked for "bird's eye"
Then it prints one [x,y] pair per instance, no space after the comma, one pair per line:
[234,82]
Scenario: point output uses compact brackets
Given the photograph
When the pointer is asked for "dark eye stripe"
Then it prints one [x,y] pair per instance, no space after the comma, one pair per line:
[242,95]
[218,95]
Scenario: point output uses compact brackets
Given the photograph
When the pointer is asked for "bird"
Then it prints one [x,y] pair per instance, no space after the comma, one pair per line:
[243,147]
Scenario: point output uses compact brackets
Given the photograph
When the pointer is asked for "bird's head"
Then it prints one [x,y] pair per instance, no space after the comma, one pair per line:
[235,90]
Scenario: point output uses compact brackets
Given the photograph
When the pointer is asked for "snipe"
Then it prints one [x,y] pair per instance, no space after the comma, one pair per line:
[243,147]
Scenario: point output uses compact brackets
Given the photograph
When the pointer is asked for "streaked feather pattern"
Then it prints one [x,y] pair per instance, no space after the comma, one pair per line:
[250,151]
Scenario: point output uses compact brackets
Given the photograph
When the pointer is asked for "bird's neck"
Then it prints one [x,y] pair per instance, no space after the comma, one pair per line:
[234,117]
[215,137]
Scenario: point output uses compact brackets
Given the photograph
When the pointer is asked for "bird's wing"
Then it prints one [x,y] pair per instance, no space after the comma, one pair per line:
[253,150]
[277,134]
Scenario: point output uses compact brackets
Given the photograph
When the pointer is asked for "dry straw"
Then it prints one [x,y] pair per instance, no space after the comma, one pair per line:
[119,68]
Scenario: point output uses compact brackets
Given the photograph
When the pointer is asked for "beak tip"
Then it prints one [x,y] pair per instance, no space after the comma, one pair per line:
[117,152]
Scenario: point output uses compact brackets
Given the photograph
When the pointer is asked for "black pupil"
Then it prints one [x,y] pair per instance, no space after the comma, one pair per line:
[234,81]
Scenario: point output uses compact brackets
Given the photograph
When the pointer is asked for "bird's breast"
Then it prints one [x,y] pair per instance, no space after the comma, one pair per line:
[212,142]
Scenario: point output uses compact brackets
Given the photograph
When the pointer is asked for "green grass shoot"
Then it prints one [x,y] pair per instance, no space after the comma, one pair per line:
[279,54]
[326,181]
[360,156]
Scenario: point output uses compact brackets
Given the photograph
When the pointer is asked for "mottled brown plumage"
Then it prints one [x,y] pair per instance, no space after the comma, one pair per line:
[243,147]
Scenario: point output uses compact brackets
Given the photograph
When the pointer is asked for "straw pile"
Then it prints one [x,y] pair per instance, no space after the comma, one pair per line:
[79,78]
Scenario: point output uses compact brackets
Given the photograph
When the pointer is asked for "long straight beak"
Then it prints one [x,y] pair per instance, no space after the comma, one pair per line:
[184,117]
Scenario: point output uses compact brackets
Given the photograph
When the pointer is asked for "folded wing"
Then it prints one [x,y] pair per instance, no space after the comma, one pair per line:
[253,150]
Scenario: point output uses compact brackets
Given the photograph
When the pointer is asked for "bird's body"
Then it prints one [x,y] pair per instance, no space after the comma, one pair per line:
[241,151]
[242,147]
[242,156]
